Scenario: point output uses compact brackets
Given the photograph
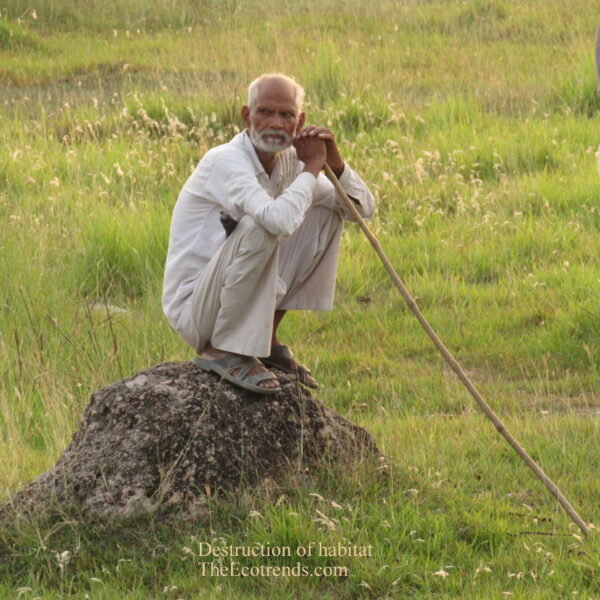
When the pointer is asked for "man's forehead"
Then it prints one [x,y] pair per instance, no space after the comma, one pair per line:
[276,89]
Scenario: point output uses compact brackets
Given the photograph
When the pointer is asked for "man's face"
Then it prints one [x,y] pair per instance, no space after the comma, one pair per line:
[274,119]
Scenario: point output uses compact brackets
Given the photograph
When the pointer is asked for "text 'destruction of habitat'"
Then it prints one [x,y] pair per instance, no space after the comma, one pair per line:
[475,124]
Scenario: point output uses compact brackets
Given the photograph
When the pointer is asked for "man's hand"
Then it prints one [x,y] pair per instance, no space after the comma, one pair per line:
[334,159]
[312,151]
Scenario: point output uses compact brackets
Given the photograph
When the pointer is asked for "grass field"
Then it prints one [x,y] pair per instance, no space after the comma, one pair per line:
[476,125]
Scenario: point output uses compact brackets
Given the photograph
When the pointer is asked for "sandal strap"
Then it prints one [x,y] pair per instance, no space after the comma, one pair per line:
[279,352]
[242,371]
[258,377]
[236,362]
[242,365]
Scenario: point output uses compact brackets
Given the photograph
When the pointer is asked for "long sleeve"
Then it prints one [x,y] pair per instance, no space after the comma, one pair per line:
[235,186]
[326,195]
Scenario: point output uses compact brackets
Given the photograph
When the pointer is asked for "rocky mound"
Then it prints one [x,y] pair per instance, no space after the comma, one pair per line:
[170,435]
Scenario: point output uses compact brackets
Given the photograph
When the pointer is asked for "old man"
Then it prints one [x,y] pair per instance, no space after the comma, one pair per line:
[255,232]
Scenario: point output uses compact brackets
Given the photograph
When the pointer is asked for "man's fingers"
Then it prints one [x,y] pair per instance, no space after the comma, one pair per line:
[326,135]
[309,144]
[311,149]
[316,131]
[313,140]
[308,141]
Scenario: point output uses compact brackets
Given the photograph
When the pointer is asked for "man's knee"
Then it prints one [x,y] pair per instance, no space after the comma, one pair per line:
[325,214]
[323,221]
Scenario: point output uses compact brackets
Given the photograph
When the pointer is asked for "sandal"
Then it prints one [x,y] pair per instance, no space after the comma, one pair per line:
[242,364]
[282,358]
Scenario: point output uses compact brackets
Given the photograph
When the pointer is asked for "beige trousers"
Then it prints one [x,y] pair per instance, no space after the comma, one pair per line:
[255,273]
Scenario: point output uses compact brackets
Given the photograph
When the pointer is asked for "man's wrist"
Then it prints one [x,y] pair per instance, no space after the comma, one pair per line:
[338,170]
[313,167]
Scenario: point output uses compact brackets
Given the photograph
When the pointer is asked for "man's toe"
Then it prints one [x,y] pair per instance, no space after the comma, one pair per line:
[266,383]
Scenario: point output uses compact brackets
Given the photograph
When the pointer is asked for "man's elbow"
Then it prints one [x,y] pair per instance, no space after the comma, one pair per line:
[368,210]
[279,222]
[276,227]
[287,229]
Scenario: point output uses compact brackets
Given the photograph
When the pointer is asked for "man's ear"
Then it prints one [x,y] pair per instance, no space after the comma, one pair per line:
[246,115]
[301,119]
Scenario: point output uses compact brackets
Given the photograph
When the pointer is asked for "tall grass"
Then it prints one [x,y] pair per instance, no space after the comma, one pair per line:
[474,124]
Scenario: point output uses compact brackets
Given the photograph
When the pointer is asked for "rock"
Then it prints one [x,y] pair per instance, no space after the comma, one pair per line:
[169,436]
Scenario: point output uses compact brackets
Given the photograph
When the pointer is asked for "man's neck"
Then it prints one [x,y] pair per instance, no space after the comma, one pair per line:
[267,160]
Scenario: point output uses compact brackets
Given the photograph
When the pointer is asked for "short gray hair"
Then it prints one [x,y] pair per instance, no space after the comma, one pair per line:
[254,88]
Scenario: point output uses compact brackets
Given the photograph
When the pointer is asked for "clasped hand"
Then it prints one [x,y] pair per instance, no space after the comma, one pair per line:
[316,146]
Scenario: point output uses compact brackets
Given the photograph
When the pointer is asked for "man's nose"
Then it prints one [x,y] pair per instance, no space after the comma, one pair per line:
[276,122]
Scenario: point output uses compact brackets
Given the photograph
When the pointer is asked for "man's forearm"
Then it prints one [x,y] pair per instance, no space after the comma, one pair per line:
[358,191]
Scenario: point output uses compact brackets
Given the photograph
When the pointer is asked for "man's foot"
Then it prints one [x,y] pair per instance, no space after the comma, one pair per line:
[244,371]
[282,358]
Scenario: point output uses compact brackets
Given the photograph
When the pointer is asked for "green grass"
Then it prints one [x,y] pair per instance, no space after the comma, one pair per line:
[475,125]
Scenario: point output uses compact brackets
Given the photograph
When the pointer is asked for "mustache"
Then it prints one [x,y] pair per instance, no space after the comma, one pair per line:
[276,132]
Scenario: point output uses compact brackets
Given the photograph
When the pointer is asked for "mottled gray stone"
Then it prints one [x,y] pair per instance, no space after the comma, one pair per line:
[168,436]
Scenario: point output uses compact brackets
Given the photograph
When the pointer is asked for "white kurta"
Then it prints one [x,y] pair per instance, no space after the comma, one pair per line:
[231,179]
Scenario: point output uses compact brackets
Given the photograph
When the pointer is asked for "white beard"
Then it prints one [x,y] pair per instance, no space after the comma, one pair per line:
[271,146]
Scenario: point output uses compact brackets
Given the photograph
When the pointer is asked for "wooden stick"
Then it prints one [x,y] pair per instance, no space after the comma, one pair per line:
[455,366]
